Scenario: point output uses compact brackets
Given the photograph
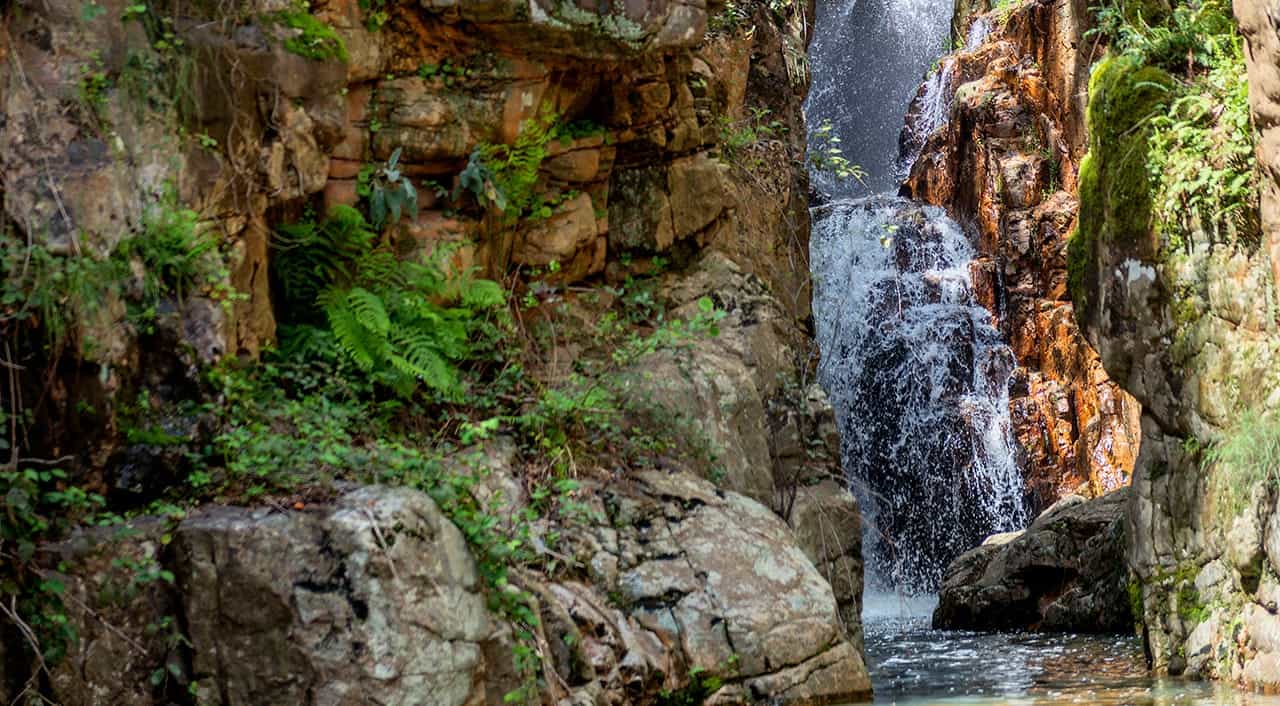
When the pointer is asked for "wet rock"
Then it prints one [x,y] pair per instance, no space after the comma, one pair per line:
[1067,573]
[1006,161]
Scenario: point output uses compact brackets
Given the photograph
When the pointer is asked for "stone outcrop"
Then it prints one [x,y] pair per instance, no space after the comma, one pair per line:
[1066,572]
[666,582]
[1005,161]
[258,130]
[1258,22]
[375,595]
[1186,323]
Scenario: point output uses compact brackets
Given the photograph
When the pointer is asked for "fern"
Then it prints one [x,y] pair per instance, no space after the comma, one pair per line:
[406,323]
[309,257]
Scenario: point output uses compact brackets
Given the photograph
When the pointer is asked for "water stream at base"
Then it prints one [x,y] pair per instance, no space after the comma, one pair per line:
[914,665]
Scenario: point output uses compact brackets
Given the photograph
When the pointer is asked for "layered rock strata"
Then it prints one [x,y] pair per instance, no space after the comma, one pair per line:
[1004,161]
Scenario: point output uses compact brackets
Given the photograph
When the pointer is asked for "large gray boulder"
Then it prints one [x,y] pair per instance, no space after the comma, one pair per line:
[1066,572]
[371,599]
[724,582]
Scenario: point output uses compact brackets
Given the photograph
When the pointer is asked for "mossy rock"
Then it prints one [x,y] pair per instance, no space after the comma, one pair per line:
[1114,183]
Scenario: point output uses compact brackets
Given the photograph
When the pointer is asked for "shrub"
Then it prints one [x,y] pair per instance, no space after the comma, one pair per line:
[1247,456]
[402,321]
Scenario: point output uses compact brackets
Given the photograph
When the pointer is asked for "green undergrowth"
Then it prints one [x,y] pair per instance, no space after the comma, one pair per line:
[1170,141]
[59,296]
[309,37]
[393,368]
[1246,457]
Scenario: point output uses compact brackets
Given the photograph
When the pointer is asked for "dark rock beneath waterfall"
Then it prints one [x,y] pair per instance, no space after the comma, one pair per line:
[1066,572]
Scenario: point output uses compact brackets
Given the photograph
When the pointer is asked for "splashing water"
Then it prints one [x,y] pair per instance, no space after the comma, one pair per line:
[868,57]
[919,378]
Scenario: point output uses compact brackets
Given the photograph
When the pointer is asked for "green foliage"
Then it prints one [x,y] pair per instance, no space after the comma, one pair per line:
[1193,34]
[1136,608]
[1202,156]
[505,177]
[732,18]
[308,257]
[1246,457]
[38,506]
[57,293]
[92,89]
[826,156]
[754,128]
[401,321]
[389,192]
[1171,147]
[312,39]
[375,14]
[701,685]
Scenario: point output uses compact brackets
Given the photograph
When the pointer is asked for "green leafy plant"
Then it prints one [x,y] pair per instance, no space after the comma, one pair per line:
[57,293]
[826,156]
[505,177]
[310,38]
[403,321]
[1202,157]
[375,14]
[737,136]
[390,193]
[39,506]
[1246,457]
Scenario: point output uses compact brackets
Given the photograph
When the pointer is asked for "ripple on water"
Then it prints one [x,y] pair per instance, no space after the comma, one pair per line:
[915,665]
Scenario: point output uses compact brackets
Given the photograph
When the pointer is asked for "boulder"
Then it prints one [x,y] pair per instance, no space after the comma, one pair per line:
[372,598]
[1066,573]
[724,578]
[828,528]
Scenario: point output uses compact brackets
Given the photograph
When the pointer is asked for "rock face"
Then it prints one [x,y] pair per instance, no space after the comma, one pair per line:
[1005,160]
[643,92]
[665,582]
[1066,572]
[1258,21]
[375,595]
[1189,328]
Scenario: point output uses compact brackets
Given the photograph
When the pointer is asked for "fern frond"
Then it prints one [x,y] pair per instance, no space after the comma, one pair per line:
[483,294]
[369,310]
[415,353]
[358,342]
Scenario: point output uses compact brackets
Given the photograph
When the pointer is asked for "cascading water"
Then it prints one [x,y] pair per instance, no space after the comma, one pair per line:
[917,373]
[867,58]
[932,102]
[919,378]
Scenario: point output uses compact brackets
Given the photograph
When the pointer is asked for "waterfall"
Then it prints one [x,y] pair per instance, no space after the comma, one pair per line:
[933,101]
[867,59]
[919,378]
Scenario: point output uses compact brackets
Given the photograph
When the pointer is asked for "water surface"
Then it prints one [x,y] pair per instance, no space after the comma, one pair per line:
[914,665]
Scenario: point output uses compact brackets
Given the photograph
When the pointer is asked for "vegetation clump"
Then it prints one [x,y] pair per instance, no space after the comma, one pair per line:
[1171,144]
[310,38]
[1246,457]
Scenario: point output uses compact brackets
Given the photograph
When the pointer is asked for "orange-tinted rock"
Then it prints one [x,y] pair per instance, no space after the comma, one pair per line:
[1006,162]
[571,229]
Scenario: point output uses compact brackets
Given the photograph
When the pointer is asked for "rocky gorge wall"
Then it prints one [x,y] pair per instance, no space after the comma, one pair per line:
[676,148]
[1081,198]
[1185,319]
[1005,162]
[119,118]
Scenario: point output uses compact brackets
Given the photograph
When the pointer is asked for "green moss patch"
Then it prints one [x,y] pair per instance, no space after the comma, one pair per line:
[316,40]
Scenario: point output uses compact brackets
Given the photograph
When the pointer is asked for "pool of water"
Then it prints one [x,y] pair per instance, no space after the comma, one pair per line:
[913,664]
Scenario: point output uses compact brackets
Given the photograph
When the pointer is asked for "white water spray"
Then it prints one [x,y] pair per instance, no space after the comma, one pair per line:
[919,378]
